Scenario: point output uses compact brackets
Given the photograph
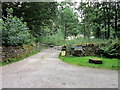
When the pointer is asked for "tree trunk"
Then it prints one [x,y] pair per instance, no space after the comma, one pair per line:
[65,32]
[108,21]
[115,19]
[104,7]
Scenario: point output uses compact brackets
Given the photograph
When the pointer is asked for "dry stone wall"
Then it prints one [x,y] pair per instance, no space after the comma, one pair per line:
[85,49]
[16,52]
[108,50]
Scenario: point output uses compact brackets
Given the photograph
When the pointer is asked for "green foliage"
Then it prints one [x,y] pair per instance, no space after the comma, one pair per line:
[69,21]
[37,15]
[111,50]
[14,31]
[55,39]
[51,24]
[83,61]
[118,34]
[103,15]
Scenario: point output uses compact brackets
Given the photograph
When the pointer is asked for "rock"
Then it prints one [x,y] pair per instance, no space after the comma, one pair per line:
[77,51]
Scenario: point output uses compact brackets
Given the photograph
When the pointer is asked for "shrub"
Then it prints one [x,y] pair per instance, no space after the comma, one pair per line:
[55,39]
[111,50]
[14,31]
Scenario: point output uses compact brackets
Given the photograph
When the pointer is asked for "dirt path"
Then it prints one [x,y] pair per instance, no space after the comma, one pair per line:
[45,70]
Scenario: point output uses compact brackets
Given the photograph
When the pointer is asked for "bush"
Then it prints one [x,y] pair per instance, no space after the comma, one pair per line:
[56,39]
[14,31]
[111,50]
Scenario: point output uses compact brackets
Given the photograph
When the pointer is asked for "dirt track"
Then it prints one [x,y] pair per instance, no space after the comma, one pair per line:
[45,70]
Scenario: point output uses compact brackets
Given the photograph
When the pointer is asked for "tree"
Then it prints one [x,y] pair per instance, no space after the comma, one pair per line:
[69,21]
[38,15]
[14,31]
[102,17]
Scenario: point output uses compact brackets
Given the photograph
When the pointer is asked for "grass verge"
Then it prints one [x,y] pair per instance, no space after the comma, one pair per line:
[83,61]
[16,60]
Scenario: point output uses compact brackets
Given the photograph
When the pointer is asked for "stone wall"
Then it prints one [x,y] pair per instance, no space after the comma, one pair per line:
[111,50]
[16,52]
[85,49]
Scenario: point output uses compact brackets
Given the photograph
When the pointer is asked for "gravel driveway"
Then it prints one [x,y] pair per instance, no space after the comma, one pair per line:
[46,70]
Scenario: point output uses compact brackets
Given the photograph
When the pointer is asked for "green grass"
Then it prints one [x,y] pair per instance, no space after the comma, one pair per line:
[83,61]
[16,60]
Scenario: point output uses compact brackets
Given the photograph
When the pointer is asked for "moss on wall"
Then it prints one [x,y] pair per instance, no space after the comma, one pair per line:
[87,49]
[10,52]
